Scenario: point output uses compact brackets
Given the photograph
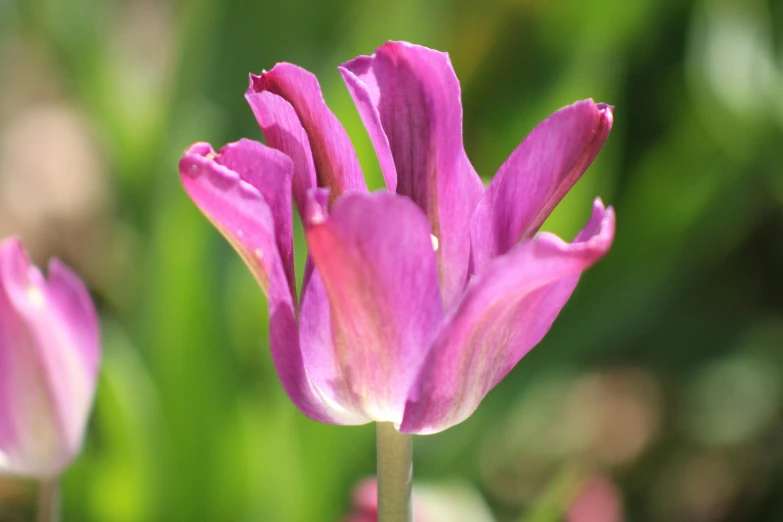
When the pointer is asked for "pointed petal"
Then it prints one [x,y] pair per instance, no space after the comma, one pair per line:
[334,157]
[506,311]
[233,201]
[372,304]
[412,93]
[49,358]
[535,178]
[366,95]
[284,132]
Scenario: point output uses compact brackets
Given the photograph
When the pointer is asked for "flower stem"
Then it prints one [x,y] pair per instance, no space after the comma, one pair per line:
[48,501]
[395,474]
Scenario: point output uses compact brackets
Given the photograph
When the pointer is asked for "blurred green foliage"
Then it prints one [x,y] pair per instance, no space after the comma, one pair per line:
[663,372]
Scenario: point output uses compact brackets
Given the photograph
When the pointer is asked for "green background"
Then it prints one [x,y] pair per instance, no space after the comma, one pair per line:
[663,374]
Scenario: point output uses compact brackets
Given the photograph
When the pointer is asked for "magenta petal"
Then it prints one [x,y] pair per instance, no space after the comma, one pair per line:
[336,165]
[272,179]
[506,311]
[364,89]
[284,132]
[535,178]
[232,199]
[49,359]
[373,303]
[409,98]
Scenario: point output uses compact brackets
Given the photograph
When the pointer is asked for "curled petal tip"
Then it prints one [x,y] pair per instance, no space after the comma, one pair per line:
[194,157]
[598,234]
[599,208]
[261,81]
[606,107]
[200,160]
[607,111]
[254,83]
[201,148]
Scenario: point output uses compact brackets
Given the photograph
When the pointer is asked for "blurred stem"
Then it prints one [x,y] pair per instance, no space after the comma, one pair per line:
[48,501]
[395,474]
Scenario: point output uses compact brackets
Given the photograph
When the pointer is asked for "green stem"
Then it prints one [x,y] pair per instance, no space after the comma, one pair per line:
[48,501]
[395,474]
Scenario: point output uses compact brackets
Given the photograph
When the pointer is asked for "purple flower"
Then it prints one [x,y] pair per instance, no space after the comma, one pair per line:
[417,301]
[49,358]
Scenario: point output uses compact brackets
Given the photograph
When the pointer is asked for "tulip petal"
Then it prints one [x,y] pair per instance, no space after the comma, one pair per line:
[233,201]
[506,311]
[366,95]
[535,178]
[249,159]
[336,165]
[411,94]
[283,131]
[49,358]
[373,302]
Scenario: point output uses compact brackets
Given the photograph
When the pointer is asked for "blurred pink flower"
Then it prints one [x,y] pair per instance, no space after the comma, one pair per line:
[49,358]
[365,502]
[598,501]
[431,503]
[417,301]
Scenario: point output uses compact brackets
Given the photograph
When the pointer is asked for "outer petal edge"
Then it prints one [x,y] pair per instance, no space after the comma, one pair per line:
[241,214]
[506,311]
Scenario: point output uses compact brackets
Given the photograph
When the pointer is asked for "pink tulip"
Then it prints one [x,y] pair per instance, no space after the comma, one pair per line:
[417,300]
[598,501]
[49,358]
